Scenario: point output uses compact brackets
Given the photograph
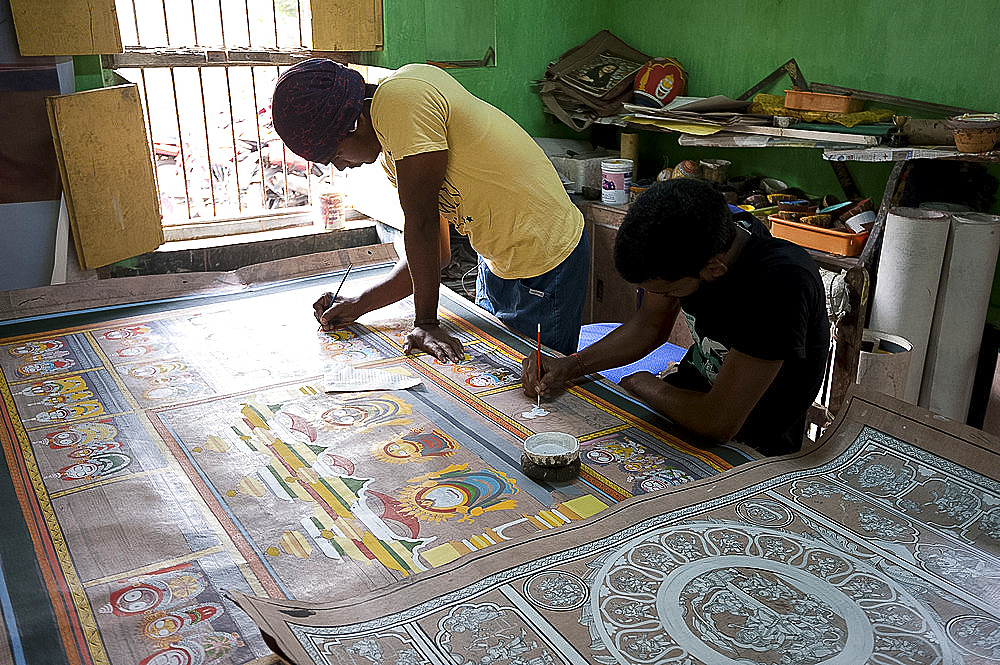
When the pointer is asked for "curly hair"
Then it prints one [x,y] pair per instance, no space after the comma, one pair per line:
[672,230]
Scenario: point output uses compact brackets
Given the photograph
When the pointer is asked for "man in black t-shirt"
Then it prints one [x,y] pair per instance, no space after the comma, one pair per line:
[755,306]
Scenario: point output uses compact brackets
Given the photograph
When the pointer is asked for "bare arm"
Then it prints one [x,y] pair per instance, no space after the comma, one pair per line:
[425,234]
[428,249]
[718,414]
[645,330]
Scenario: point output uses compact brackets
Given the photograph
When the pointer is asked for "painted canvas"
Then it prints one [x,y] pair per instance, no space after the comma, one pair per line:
[163,456]
[879,546]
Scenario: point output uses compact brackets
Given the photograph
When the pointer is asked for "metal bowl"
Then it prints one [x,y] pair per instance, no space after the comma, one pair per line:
[552,448]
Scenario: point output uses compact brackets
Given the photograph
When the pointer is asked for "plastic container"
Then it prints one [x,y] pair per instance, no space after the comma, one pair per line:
[819,101]
[814,237]
[331,210]
[616,181]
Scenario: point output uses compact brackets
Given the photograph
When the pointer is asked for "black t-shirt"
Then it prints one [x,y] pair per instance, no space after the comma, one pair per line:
[771,305]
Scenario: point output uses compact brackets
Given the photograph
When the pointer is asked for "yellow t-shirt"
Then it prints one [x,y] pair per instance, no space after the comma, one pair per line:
[500,189]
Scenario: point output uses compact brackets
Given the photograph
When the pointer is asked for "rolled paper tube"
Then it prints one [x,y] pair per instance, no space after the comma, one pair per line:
[960,314]
[906,286]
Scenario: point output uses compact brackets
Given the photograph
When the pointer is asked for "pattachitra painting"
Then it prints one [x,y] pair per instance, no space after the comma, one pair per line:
[162,456]
[880,546]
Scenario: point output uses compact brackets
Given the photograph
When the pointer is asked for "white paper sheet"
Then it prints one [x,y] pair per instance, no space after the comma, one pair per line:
[960,314]
[343,377]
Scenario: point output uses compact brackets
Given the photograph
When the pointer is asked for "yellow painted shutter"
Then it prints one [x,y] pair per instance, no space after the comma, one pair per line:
[66,27]
[346,25]
[107,173]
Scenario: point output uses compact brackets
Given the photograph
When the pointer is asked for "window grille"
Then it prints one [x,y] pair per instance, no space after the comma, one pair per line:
[206,71]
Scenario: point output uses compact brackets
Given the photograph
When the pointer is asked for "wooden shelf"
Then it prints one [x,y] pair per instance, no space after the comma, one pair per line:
[887,154]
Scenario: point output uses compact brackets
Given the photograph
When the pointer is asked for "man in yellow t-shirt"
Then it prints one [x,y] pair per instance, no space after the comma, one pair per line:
[457,160]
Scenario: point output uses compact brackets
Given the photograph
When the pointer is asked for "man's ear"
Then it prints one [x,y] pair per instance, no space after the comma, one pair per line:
[714,269]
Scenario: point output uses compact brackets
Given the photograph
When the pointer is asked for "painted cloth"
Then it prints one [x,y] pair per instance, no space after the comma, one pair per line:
[315,104]
[500,189]
[553,300]
[769,305]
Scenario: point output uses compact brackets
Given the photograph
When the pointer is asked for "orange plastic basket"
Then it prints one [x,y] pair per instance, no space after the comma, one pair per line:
[825,240]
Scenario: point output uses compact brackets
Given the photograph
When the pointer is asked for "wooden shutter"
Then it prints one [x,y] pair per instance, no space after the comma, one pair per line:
[107,173]
[346,25]
[66,27]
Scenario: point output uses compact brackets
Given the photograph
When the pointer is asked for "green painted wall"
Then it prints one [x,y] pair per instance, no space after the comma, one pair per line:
[942,52]
[932,51]
[529,35]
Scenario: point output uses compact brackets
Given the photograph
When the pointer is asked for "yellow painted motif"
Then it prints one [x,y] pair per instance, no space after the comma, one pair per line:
[216,444]
[251,486]
[442,554]
[585,506]
[387,559]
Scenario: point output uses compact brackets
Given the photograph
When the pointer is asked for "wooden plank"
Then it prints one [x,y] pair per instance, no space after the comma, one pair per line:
[892,100]
[849,334]
[346,25]
[794,73]
[135,56]
[809,135]
[107,173]
[102,293]
[66,27]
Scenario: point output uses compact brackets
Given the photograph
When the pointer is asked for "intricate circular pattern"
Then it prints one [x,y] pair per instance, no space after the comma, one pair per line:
[730,594]
[976,635]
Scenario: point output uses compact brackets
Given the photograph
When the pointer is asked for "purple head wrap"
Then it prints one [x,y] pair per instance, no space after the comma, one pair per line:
[315,104]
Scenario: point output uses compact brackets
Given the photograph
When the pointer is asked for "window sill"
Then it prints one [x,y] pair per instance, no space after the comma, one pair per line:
[263,235]
[236,251]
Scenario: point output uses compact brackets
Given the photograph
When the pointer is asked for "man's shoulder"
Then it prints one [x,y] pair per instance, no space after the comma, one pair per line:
[414,74]
[777,265]
[408,86]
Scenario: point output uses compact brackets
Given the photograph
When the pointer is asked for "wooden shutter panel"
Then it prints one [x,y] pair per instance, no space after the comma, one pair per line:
[66,27]
[107,173]
[346,25]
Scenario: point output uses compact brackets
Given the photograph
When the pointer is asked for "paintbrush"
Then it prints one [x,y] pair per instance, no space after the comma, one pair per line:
[342,280]
[538,395]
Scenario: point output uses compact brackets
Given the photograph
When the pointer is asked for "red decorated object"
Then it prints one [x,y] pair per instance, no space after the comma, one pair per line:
[659,81]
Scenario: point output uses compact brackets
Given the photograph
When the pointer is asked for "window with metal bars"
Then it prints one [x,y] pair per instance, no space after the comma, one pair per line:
[205,71]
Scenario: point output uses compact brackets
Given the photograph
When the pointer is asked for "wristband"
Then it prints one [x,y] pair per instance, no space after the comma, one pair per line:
[579,362]
[426,322]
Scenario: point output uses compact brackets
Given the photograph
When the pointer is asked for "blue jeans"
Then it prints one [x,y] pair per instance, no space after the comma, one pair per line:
[554,299]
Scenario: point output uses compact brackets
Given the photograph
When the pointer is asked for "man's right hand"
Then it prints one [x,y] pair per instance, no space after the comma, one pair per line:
[332,315]
[556,373]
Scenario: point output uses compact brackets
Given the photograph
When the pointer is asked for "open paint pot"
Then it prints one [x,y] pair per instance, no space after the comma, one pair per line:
[551,456]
